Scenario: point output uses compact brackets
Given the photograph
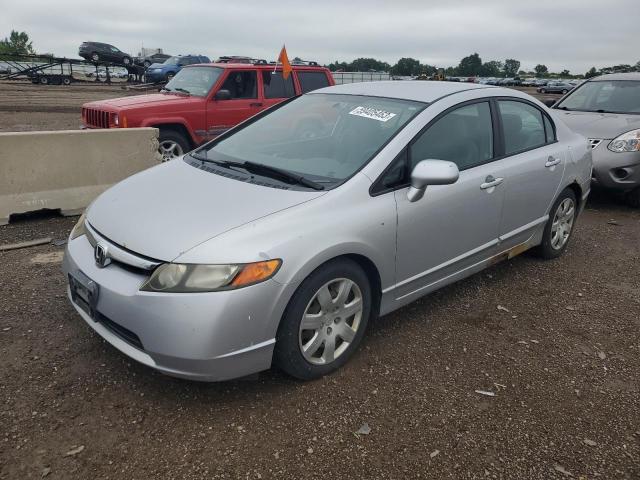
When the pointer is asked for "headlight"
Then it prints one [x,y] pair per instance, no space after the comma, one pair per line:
[78,229]
[115,120]
[189,278]
[627,142]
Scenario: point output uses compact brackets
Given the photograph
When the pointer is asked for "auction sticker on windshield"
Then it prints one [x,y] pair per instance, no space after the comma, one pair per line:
[373,113]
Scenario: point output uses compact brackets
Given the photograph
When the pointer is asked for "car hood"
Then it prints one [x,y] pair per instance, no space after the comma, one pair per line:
[166,210]
[599,125]
[137,100]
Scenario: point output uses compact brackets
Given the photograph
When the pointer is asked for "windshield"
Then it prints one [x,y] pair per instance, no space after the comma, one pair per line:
[324,137]
[615,96]
[196,81]
[172,61]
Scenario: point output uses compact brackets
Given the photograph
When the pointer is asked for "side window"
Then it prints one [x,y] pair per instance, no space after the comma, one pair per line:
[241,84]
[523,126]
[463,136]
[312,81]
[275,86]
[548,128]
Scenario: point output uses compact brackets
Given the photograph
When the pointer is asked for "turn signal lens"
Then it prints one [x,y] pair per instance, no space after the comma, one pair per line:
[256,272]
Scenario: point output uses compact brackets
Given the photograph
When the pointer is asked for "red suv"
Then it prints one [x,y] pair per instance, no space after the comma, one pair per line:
[202,101]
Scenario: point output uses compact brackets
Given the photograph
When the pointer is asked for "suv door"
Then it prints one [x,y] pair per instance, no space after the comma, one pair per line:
[453,227]
[244,102]
[275,88]
[534,167]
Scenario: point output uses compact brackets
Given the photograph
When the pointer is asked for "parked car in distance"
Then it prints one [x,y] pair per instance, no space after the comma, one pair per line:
[203,101]
[165,71]
[556,87]
[103,52]
[147,61]
[276,243]
[606,110]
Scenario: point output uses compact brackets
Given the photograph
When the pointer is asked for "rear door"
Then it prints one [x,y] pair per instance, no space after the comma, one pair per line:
[275,88]
[312,80]
[245,101]
[534,165]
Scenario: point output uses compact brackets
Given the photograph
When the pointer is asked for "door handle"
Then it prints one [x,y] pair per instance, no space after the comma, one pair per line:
[257,104]
[491,182]
[551,162]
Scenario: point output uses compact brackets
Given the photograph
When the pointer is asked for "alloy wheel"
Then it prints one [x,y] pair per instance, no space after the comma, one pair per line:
[331,321]
[562,223]
[169,149]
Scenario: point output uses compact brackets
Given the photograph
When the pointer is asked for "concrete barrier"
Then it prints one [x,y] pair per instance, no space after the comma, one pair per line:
[67,169]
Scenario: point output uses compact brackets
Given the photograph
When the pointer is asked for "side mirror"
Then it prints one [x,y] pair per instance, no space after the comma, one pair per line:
[550,103]
[431,172]
[223,95]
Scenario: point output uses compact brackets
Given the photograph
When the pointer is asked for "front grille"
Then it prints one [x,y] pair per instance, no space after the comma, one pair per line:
[119,331]
[594,142]
[95,118]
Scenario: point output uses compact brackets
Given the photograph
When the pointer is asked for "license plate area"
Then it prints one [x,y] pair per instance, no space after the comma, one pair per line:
[84,293]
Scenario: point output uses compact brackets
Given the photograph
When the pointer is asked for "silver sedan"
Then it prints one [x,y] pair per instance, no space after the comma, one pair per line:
[280,240]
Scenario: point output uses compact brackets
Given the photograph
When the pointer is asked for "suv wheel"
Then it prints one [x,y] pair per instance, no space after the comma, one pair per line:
[542,90]
[95,57]
[126,61]
[146,64]
[171,145]
[559,227]
[324,321]
[169,76]
[564,92]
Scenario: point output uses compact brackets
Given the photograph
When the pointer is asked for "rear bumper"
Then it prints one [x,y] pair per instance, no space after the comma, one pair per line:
[204,336]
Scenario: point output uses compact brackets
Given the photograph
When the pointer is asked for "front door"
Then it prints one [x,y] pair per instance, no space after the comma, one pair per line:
[244,102]
[453,227]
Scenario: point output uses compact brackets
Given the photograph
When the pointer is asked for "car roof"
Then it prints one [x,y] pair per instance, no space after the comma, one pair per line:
[617,76]
[417,90]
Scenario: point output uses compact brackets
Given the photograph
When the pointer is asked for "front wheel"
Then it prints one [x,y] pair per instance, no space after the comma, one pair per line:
[559,227]
[543,91]
[564,92]
[324,321]
[171,145]
[95,57]
[126,61]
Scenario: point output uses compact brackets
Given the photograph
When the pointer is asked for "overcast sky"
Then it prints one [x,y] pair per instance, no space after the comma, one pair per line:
[573,34]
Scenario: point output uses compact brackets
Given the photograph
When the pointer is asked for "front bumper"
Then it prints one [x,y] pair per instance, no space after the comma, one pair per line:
[201,336]
[153,77]
[616,171]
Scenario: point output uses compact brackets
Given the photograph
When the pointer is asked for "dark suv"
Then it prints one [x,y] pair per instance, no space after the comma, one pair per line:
[147,61]
[103,52]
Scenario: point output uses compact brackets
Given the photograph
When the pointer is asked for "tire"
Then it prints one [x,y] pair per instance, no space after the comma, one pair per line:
[95,57]
[169,76]
[44,80]
[172,145]
[564,92]
[552,247]
[633,198]
[126,61]
[542,90]
[317,360]
[146,64]
[66,81]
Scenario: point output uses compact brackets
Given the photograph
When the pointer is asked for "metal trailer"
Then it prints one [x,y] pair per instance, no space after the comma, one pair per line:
[50,70]
[355,77]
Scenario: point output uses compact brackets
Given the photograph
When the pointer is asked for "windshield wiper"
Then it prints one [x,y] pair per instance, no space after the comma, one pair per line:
[564,108]
[281,174]
[182,90]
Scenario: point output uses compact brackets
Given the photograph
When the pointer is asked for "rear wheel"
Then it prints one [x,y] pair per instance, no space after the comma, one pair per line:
[126,61]
[542,90]
[564,92]
[146,64]
[169,76]
[95,57]
[559,227]
[44,80]
[172,145]
[324,321]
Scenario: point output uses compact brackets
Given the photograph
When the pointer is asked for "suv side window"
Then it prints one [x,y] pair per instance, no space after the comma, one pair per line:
[312,80]
[275,86]
[523,126]
[463,136]
[241,84]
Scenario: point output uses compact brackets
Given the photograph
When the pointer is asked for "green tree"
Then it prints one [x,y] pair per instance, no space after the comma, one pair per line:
[541,70]
[491,69]
[511,67]
[591,73]
[17,43]
[366,64]
[565,73]
[406,67]
[469,66]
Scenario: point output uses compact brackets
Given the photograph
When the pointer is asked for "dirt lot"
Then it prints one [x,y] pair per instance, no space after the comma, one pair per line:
[561,354]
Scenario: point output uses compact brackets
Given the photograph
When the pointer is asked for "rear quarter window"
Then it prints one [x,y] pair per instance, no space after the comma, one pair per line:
[310,81]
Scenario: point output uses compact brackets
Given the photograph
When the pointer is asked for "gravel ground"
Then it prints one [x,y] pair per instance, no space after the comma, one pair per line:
[556,343]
